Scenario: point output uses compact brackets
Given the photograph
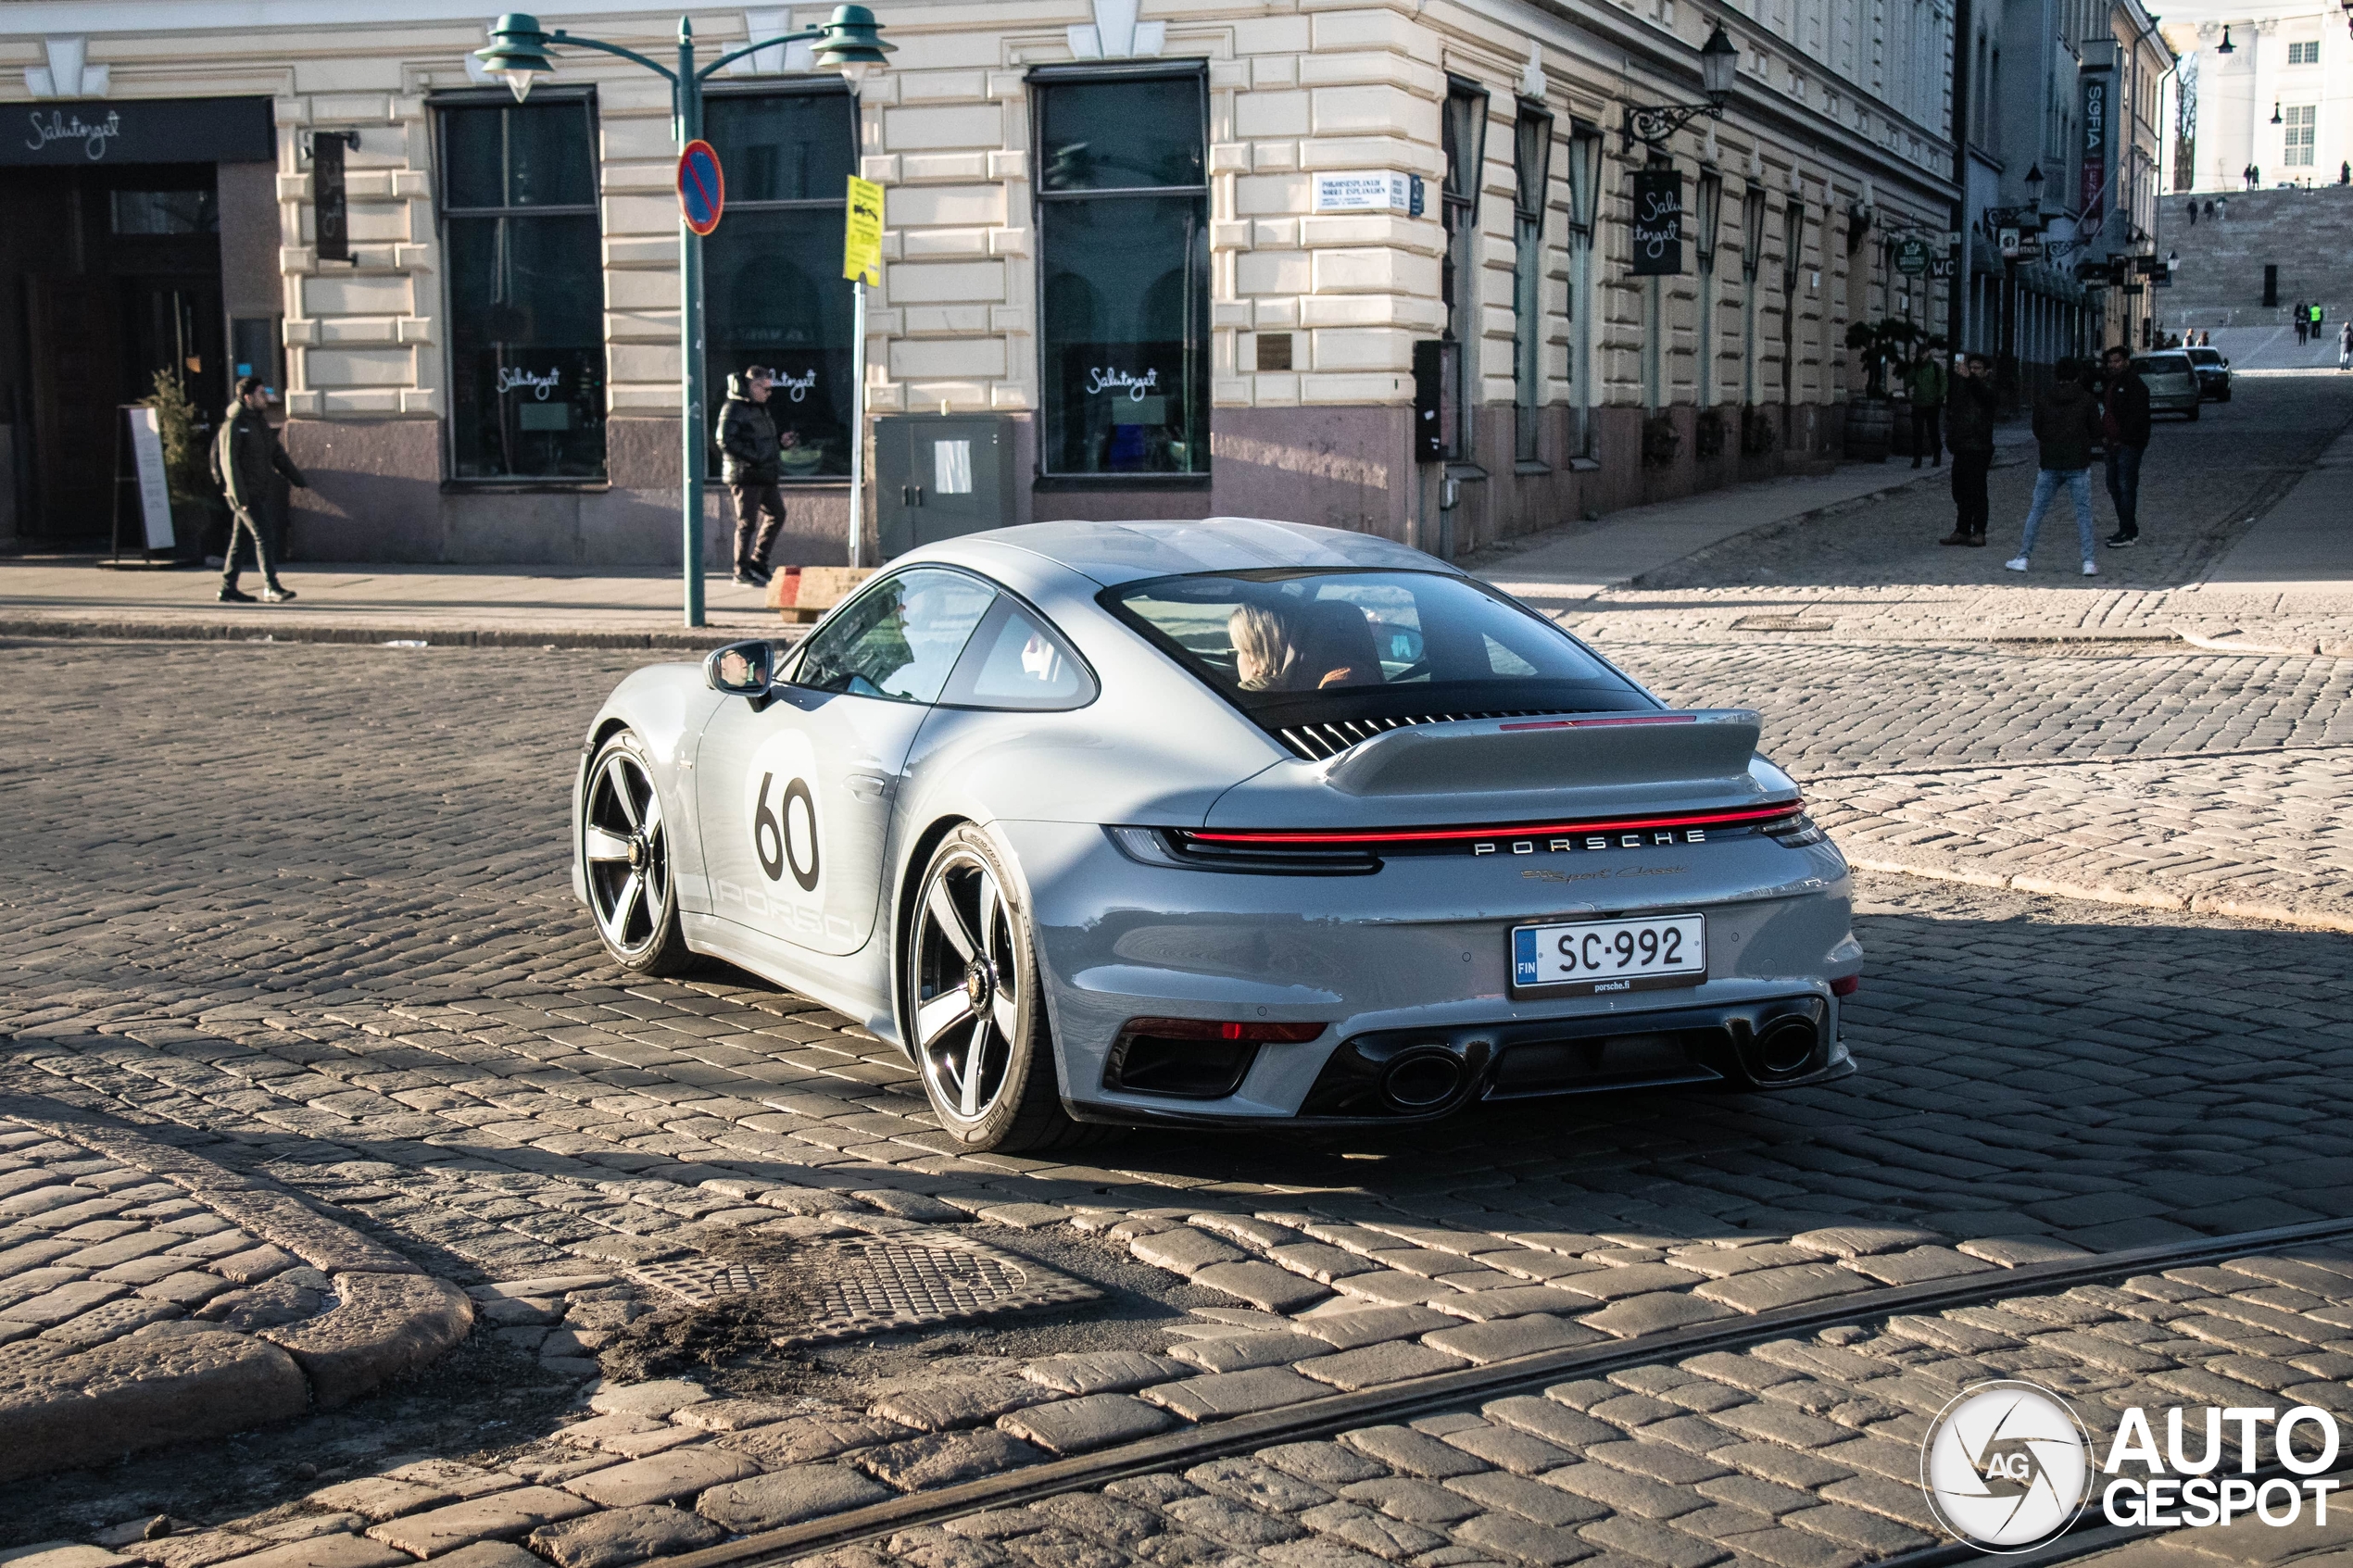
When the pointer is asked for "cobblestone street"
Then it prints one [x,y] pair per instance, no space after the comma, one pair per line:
[297,1018]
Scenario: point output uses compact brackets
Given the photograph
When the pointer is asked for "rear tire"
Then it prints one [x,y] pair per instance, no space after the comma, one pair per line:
[625,850]
[2193,414]
[974,1007]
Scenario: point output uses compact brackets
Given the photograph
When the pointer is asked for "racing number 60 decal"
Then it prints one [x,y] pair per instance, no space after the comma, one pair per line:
[777,839]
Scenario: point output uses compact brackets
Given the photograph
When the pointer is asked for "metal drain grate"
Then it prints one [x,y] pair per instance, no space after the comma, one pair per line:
[701,1280]
[904,1281]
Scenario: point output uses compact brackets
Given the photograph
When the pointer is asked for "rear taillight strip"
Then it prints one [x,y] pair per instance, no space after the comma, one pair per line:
[1731,817]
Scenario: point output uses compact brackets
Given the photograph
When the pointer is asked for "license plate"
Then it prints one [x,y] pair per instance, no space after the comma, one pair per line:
[1612,955]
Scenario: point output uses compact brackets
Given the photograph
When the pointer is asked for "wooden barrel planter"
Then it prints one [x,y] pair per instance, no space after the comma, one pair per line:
[1870,425]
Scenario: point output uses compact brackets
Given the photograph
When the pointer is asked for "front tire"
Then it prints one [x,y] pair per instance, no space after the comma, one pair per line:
[975,1008]
[624,848]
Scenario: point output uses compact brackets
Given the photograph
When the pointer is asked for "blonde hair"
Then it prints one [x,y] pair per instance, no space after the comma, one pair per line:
[1266,650]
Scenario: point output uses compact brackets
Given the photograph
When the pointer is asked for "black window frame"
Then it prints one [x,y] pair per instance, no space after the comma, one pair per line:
[1460,267]
[1528,277]
[715,380]
[498,97]
[1042,77]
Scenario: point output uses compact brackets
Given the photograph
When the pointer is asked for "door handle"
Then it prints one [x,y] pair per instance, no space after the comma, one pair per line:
[866,787]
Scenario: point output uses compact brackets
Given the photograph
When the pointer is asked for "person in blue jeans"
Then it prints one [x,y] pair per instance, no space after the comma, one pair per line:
[2125,431]
[2066,426]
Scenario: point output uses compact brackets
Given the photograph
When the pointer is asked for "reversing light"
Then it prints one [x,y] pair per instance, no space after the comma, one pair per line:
[1794,831]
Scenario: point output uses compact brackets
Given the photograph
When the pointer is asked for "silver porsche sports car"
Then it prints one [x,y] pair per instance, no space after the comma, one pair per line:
[1228,822]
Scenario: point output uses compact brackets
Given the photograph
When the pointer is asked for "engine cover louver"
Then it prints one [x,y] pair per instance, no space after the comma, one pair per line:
[1316,743]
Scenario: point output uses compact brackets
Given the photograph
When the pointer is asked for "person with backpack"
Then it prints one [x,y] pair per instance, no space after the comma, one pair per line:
[2066,426]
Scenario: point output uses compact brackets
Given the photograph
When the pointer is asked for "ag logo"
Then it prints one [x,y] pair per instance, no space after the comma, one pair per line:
[2007,1466]
[780,812]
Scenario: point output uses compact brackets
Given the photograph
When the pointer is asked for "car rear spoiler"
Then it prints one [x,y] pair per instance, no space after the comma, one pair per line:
[1550,753]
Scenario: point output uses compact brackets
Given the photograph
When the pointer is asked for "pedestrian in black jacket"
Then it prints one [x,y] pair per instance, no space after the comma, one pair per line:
[1969,432]
[2066,426]
[747,446]
[2125,431]
[246,464]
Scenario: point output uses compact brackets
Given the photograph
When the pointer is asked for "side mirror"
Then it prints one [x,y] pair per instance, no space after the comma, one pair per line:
[744,670]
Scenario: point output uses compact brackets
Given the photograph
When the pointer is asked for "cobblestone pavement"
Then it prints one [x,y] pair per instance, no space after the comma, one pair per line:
[340,957]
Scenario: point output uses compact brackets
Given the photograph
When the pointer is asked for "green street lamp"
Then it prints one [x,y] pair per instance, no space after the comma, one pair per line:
[850,43]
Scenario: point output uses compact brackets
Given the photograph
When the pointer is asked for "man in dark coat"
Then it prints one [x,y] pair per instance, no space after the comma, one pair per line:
[246,464]
[1969,432]
[2124,432]
[749,445]
[2066,426]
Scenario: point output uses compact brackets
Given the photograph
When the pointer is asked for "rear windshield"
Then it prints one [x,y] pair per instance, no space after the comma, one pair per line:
[2206,356]
[2163,365]
[1292,647]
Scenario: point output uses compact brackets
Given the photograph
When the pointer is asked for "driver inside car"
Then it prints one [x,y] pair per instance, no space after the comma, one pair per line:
[1303,647]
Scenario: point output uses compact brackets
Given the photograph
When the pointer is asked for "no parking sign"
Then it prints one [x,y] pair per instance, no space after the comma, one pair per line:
[702,189]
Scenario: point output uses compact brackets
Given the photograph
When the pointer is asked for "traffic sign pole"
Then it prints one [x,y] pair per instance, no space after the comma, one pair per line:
[694,462]
[861,259]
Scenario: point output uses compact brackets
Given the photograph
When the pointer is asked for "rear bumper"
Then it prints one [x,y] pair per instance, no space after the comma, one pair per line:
[1416,954]
[1403,1078]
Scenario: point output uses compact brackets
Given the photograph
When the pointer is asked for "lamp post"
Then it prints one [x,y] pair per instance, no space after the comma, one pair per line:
[1719,65]
[850,42]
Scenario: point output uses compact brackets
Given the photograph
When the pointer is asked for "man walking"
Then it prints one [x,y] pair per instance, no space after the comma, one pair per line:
[2303,322]
[749,445]
[2345,346]
[2066,426]
[2124,432]
[1968,431]
[247,462]
[1926,383]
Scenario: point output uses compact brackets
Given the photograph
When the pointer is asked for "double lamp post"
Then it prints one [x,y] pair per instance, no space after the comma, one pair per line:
[850,42]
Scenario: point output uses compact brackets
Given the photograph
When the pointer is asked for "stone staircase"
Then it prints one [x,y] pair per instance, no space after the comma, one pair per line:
[2306,234]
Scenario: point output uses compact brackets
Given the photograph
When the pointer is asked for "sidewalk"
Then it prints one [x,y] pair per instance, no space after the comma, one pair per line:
[530,605]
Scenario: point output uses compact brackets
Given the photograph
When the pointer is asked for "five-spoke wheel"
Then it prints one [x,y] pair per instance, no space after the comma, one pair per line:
[624,847]
[977,1024]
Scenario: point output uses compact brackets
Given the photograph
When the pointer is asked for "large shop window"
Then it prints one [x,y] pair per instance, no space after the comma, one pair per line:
[1124,273]
[526,291]
[773,289]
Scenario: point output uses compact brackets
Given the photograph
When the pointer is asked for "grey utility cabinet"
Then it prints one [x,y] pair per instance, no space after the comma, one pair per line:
[938,476]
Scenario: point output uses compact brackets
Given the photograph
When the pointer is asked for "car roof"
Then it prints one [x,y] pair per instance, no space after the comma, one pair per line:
[1112,553]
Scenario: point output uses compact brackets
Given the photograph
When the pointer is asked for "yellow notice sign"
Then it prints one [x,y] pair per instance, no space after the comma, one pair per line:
[861,236]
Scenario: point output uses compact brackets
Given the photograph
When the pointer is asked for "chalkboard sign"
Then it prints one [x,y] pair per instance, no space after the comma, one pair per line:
[1658,222]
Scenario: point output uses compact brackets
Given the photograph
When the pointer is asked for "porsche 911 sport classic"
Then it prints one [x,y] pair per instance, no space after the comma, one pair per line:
[1220,823]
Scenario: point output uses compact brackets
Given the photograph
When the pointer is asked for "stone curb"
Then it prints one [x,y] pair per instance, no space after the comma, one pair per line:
[150,1389]
[2138,897]
[2231,643]
[138,628]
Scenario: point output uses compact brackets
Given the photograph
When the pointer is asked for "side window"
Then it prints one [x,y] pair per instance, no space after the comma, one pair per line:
[898,639]
[1019,662]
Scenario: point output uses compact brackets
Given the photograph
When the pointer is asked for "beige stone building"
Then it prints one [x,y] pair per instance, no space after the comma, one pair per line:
[1163,264]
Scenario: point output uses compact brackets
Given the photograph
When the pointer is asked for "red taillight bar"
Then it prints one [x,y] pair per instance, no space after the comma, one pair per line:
[1728,817]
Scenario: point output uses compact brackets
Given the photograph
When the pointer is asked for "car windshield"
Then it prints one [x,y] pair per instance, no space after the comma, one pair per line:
[2206,356]
[1292,647]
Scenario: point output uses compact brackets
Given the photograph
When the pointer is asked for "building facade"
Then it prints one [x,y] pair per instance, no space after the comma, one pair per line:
[2279,103]
[2063,105]
[1177,262]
